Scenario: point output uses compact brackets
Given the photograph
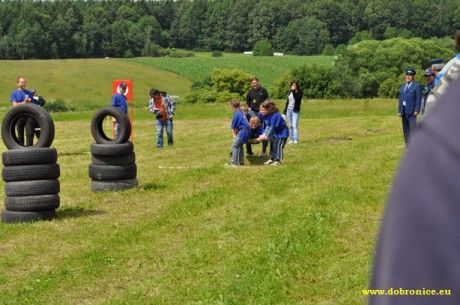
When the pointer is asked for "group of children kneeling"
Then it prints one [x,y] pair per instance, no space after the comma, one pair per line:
[268,125]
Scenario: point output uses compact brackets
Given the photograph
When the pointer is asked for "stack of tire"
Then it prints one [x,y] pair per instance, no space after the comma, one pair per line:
[113,165]
[30,173]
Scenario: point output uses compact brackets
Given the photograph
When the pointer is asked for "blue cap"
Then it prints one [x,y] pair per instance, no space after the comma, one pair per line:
[410,71]
[122,86]
[435,61]
[428,72]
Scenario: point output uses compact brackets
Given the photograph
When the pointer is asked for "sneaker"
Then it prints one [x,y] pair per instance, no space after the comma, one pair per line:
[269,162]
[249,153]
[276,163]
[262,155]
[295,142]
[291,142]
[241,164]
[230,165]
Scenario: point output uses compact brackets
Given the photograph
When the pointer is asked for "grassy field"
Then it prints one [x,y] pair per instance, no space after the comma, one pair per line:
[195,232]
[87,83]
[267,69]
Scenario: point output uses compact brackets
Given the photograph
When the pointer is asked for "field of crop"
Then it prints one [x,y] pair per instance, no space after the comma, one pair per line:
[267,69]
[195,232]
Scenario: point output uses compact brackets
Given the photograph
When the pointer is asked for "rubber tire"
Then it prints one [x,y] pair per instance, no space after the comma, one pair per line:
[40,115]
[32,188]
[15,217]
[32,203]
[112,172]
[29,156]
[31,172]
[112,150]
[113,185]
[115,160]
[98,121]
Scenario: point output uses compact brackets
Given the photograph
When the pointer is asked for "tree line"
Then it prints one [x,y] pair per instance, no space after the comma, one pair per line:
[122,28]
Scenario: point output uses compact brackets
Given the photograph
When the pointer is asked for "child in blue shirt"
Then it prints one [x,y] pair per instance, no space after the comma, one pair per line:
[244,131]
[276,131]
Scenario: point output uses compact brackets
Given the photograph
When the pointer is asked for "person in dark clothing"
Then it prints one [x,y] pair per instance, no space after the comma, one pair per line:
[418,247]
[256,96]
[410,96]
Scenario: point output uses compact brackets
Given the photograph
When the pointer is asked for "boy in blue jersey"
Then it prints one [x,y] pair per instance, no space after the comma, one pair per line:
[242,129]
[276,131]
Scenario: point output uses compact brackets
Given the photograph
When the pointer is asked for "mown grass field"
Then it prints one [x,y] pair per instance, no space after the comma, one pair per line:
[195,232]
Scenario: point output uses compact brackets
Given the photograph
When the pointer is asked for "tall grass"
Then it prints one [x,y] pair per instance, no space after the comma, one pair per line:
[195,232]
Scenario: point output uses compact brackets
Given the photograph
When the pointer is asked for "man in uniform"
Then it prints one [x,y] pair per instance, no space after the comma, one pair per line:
[437,65]
[409,103]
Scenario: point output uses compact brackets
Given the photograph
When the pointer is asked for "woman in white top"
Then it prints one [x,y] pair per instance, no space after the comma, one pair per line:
[292,111]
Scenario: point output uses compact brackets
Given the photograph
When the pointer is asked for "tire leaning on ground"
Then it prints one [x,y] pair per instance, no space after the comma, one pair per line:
[29,156]
[98,121]
[40,115]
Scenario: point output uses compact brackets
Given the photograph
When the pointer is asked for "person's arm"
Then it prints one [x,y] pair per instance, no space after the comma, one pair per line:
[249,100]
[172,105]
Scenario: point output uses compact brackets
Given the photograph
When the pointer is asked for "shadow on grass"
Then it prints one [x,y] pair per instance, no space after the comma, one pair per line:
[256,160]
[75,212]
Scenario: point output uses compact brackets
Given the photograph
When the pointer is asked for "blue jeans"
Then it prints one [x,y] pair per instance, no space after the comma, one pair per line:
[293,118]
[169,128]
[237,152]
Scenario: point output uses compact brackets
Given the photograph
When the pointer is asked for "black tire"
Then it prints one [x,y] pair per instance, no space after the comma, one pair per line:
[32,188]
[112,172]
[111,150]
[29,156]
[114,160]
[98,120]
[32,203]
[43,119]
[113,185]
[15,217]
[31,172]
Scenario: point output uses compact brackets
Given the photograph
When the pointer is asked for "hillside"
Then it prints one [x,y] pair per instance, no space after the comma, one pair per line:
[83,83]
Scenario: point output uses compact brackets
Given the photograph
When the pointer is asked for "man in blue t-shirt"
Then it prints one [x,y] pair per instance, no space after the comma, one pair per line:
[19,97]
[119,101]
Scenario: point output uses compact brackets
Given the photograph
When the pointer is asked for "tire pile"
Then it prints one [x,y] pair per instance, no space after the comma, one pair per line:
[30,173]
[113,165]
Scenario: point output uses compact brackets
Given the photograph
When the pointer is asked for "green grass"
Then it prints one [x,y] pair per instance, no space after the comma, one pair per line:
[267,69]
[87,83]
[195,232]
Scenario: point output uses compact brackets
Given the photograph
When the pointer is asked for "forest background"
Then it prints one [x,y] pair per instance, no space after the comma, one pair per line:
[374,41]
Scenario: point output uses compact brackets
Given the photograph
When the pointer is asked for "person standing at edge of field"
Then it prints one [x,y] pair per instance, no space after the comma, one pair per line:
[292,111]
[163,106]
[18,97]
[256,96]
[429,77]
[409,103]
[119,101]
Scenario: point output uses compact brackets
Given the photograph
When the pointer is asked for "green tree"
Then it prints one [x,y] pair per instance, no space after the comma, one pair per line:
[263,48]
